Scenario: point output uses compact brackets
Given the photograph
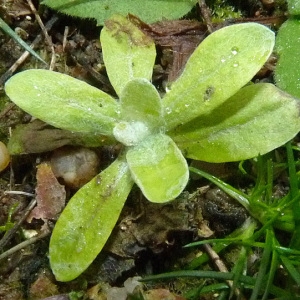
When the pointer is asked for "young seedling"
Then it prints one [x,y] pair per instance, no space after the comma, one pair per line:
[208,115]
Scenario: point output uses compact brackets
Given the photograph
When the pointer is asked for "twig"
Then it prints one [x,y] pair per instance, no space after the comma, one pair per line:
[221,267]
[18,193]
[65,38]
[9,234]
[47,37]
[23,57]
[23,245]
[206,14]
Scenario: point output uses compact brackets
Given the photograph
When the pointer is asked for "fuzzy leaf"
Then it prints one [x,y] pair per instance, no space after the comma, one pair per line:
[87,221]
[256,120]
[287,72]
[158,168]
[127,52]
[148,11]
[63,101]
[223,63]
[140,112]
[140,101]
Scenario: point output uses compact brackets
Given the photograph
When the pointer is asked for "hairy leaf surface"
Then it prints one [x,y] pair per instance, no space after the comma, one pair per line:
[256,120]
[149,10]
[87,221]
[293,7]
[223,63]
[140,101]
[63,101]
[158,168]
[128,53]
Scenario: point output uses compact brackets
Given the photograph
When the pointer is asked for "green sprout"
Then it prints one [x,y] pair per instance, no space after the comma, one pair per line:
[9,223]
[209,113]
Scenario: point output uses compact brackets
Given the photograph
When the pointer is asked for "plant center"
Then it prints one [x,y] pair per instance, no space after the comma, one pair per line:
[130,133]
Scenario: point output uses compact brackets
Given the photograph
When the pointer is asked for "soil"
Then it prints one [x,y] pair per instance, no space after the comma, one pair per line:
[148,238]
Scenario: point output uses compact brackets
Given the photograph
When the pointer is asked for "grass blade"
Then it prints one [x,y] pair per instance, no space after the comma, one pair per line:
[13,35]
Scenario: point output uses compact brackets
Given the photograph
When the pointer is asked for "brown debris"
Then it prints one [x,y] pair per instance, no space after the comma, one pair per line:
[136,39]
[43,287]
[16,8]
[50,195]
[159,294]
[180,36]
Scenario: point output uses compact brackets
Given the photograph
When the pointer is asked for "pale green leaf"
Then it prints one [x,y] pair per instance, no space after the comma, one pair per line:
[158,168]
[294,7]
[127,52]
[63,101]
[140,101]
[149,10]
[223,63]
[87,221]
[140,112]
[131,133]
[287,72]
[256,120]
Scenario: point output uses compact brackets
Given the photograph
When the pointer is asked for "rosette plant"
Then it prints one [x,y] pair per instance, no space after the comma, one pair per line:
[210,113]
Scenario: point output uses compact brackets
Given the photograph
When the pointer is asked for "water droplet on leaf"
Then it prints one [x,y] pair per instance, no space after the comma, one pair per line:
[223,59]
[234,50]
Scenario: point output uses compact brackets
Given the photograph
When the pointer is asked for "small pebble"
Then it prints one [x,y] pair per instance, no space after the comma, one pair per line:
[75,165]
[4,157]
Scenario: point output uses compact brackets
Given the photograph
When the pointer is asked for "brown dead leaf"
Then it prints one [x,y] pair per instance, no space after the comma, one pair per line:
[50,195]
[180,36]
[31,137]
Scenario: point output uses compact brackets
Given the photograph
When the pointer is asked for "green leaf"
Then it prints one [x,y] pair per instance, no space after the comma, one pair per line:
[223,63]
[293,7]
[256,120]
[127,52]
[149,11]
[87,221]
[287,72]
[140,101]
[12,34]
[63,101]
[158,168]
[140,112]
